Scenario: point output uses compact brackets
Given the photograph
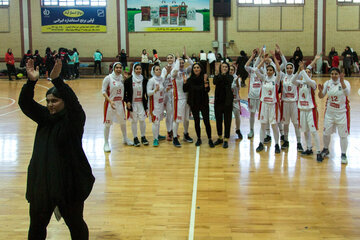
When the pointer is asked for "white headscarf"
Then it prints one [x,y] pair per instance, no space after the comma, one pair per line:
[158,79]
[235,70]
[293,67]
[113,74]
[136,78]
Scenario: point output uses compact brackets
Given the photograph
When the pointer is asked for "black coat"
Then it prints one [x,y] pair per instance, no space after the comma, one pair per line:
[128,96]
[59,172]
[197,92]
[223,92]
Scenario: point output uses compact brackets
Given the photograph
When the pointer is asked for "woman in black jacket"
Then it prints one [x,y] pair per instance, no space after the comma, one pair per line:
[59,174]
[223,103]
[197,86]
[136,99]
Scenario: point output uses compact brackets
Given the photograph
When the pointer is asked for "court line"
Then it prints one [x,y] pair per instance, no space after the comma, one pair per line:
[16,110]
[12,102]
[193,202]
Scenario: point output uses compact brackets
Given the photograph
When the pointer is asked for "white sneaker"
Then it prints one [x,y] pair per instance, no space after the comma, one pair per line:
[343,159]
[107,147]
[128,142]
[251,134]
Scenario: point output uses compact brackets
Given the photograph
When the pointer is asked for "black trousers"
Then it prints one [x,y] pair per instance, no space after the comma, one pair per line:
[204,65]
[206,119]
[73,217]
[145,69]
[11,69]
[347,72]
[223,112]
[212,68]
[97,64]
[76,69]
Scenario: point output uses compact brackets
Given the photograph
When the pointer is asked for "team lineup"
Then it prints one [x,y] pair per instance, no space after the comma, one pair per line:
[276,92]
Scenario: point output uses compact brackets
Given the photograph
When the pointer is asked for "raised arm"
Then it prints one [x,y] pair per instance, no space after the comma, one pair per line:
[308,80]
[28,105]
[312,64]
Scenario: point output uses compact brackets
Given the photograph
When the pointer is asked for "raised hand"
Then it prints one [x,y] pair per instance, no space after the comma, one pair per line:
[184,77]
[272,52]
[31,72]
[320,87]
[342,75]
[185,52]
[56,70]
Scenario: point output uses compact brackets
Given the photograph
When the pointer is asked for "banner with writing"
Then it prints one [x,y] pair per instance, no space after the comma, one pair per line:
[73,19]
[168,16]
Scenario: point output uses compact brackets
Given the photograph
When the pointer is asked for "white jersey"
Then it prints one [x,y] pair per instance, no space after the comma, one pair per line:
[235,89]
[156,99]
[178,80]
[113,86]
[289,91]
[269,89]
[168,81]
[337,100]
[307,89]
[254,84]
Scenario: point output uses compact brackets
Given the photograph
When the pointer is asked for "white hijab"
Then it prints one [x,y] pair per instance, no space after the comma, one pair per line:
[136,78]
[114,76]
[156,78]
[293,67]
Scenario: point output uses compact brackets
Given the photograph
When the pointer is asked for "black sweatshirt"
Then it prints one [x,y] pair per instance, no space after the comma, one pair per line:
[223,92]
[197,92]
[59,172]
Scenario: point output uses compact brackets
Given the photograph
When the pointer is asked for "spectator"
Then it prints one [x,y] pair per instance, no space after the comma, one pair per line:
[49,62]
[38,61]
[203,61]
[331,55]
[97,60]
[297,57]
[64,56]
[77,63]
[71,64]
[335,60]
[123,58]
[25,58]
[348,60]
[145,63]
[194,58]
[212,59]
[240,63]
[156,59]
[10,63]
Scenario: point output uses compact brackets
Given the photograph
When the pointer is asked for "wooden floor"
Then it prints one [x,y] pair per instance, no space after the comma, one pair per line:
[146,192]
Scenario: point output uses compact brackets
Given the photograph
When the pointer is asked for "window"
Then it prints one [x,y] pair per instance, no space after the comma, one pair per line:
[4,3]
[348,1]
[73,3]
[272,2]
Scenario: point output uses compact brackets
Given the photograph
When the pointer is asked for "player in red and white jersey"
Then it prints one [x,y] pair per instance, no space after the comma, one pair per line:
[114,107]
[289,109]
[181,108]
[307,108]
[156,93]
[253,91]
[168,100]
[235,87]
[137,102]
[337,113]
[269,102]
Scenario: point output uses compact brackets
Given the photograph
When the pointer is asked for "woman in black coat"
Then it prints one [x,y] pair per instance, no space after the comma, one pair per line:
[223,103]
[59,174]
[197,87]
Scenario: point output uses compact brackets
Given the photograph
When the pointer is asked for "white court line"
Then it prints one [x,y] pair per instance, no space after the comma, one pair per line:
[6,98]
[16,110]
[193,202]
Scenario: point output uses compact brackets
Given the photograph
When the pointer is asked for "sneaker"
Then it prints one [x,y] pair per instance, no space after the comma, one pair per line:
[282,138]
[325,152]
[225,144]
[176,142]
[211,144]
[136,142]
[285,145]
[156,143]
[307,152]
[218,142]
[277,148]
[169,136]
[251,134]
[299,147]
[144,140]
[343,158]
[128,142]
[319,158]
[188,138]
[240,136]
[107,147]
[260,147]
[198,142]
[161,138]
[267,139]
